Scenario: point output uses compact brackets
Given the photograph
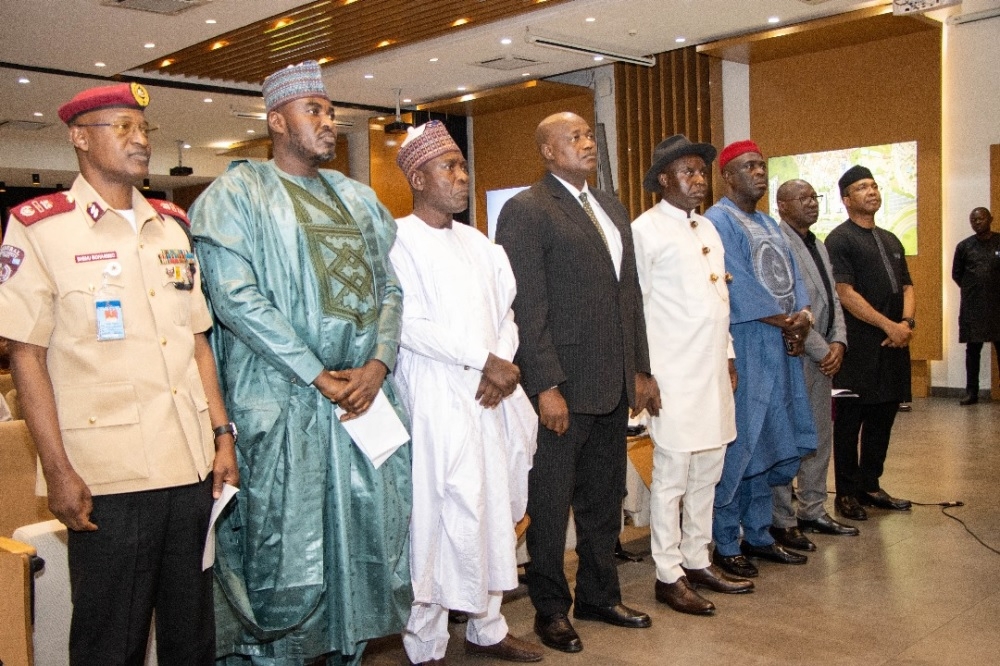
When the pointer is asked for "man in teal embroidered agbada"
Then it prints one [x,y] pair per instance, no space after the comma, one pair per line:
[312,560]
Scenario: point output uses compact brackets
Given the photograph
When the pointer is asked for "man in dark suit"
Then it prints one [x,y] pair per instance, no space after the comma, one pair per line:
[584,361]
[826,342]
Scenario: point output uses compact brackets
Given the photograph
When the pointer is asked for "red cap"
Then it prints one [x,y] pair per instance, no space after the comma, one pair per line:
[127,95]
[735,149]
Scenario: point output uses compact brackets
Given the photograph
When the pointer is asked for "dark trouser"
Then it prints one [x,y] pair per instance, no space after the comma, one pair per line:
[145,554]
[973,350]
[856,473]
[583,469]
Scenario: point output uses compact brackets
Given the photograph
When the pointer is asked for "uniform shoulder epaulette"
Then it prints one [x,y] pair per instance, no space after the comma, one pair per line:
[169,208]
[39,208]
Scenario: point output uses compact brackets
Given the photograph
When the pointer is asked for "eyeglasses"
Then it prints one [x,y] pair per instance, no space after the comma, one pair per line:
[124,128]
[806,199]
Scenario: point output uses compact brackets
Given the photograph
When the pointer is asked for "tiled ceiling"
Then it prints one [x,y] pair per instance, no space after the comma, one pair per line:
[331,31]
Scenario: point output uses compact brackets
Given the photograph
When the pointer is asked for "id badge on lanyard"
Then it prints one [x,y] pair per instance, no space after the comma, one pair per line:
[110,318]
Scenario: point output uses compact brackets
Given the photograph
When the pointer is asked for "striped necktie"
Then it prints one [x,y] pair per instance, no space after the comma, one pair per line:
[593,218]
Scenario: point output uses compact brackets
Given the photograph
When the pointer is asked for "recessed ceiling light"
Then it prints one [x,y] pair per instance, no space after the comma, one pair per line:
[210,21]
[383,43]
[407,100]
[773,19]
[462,88]
[218,45]
[506,40]
[149,45]
[590,19]
[369,76]
[207,100]
[526,74]
[461,21]
[680,40]
[99,64]
[380,118]
[166,63]
[251,131]
[322,61]
[598,58]
[24,79]
[187,146]
[38,114]
[433,60]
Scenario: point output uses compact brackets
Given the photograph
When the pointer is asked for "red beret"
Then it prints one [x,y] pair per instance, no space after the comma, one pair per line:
[127,95]
[735,149]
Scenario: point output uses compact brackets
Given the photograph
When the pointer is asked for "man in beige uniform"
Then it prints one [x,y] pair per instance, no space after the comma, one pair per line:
[103,307]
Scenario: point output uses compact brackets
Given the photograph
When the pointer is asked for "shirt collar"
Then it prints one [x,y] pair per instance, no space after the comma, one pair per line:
[572,188]
[95,207]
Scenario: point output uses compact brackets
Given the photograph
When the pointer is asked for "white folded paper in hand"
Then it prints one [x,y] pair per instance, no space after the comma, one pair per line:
[208,555]
[378,432]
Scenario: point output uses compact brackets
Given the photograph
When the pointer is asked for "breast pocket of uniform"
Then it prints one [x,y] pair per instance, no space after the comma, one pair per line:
[79,289]
[179,281]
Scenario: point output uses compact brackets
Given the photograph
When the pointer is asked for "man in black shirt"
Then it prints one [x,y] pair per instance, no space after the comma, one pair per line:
[976,269]
[873,282]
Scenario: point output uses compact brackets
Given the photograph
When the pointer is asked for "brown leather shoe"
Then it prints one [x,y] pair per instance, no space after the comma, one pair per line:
[509,649]
[713,578]
[792,537]
[679,596]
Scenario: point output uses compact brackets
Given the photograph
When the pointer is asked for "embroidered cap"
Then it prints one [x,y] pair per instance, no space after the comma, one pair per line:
[293,82]
[423,144]
[735,149]
[120,95]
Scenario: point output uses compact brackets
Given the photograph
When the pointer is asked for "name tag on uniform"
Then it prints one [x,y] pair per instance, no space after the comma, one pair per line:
[110,324]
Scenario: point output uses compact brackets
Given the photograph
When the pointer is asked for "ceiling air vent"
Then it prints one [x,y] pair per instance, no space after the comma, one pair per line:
[23,125]
[155,6]
[505,63]
[814,2]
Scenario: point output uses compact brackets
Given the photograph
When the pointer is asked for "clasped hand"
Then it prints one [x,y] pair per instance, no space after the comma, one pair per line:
[353,389]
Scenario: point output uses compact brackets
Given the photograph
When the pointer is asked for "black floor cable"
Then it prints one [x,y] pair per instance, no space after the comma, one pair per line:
[949,505]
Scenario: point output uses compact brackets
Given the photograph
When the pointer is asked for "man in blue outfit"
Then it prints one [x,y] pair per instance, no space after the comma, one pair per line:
[769,323]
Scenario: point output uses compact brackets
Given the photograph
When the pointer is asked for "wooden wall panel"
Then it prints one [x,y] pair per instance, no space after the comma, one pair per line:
[385,176]
[504,145]
[652,103]
[867,94]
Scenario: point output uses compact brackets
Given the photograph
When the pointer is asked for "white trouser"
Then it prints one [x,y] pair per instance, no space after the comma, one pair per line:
[426,634]
[693,477]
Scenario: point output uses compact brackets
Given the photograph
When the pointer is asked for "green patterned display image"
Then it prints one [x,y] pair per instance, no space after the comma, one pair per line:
[894,166]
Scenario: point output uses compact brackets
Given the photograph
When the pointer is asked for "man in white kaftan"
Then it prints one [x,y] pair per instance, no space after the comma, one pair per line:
[679,256]
[473,427]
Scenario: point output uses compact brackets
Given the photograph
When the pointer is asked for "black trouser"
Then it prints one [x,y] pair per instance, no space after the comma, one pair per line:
[973,350]
[858,461]
[145,554]
[583,469]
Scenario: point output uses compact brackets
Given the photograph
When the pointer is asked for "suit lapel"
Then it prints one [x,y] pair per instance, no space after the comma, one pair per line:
[575,213]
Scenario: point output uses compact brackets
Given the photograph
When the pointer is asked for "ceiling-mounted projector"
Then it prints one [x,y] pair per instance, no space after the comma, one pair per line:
[180,169]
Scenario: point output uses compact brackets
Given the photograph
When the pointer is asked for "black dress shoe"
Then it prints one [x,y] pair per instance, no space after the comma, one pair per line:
[626,555]
[970,398]
[905,407]
[792,537]
[848,507]
[682,598]
[827,525]
[716,580]
[557,633]
[772,552]
[735,565]
[884,500]
[619,615]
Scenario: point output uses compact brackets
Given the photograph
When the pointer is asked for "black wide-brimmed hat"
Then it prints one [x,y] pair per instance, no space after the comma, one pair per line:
[669,150]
